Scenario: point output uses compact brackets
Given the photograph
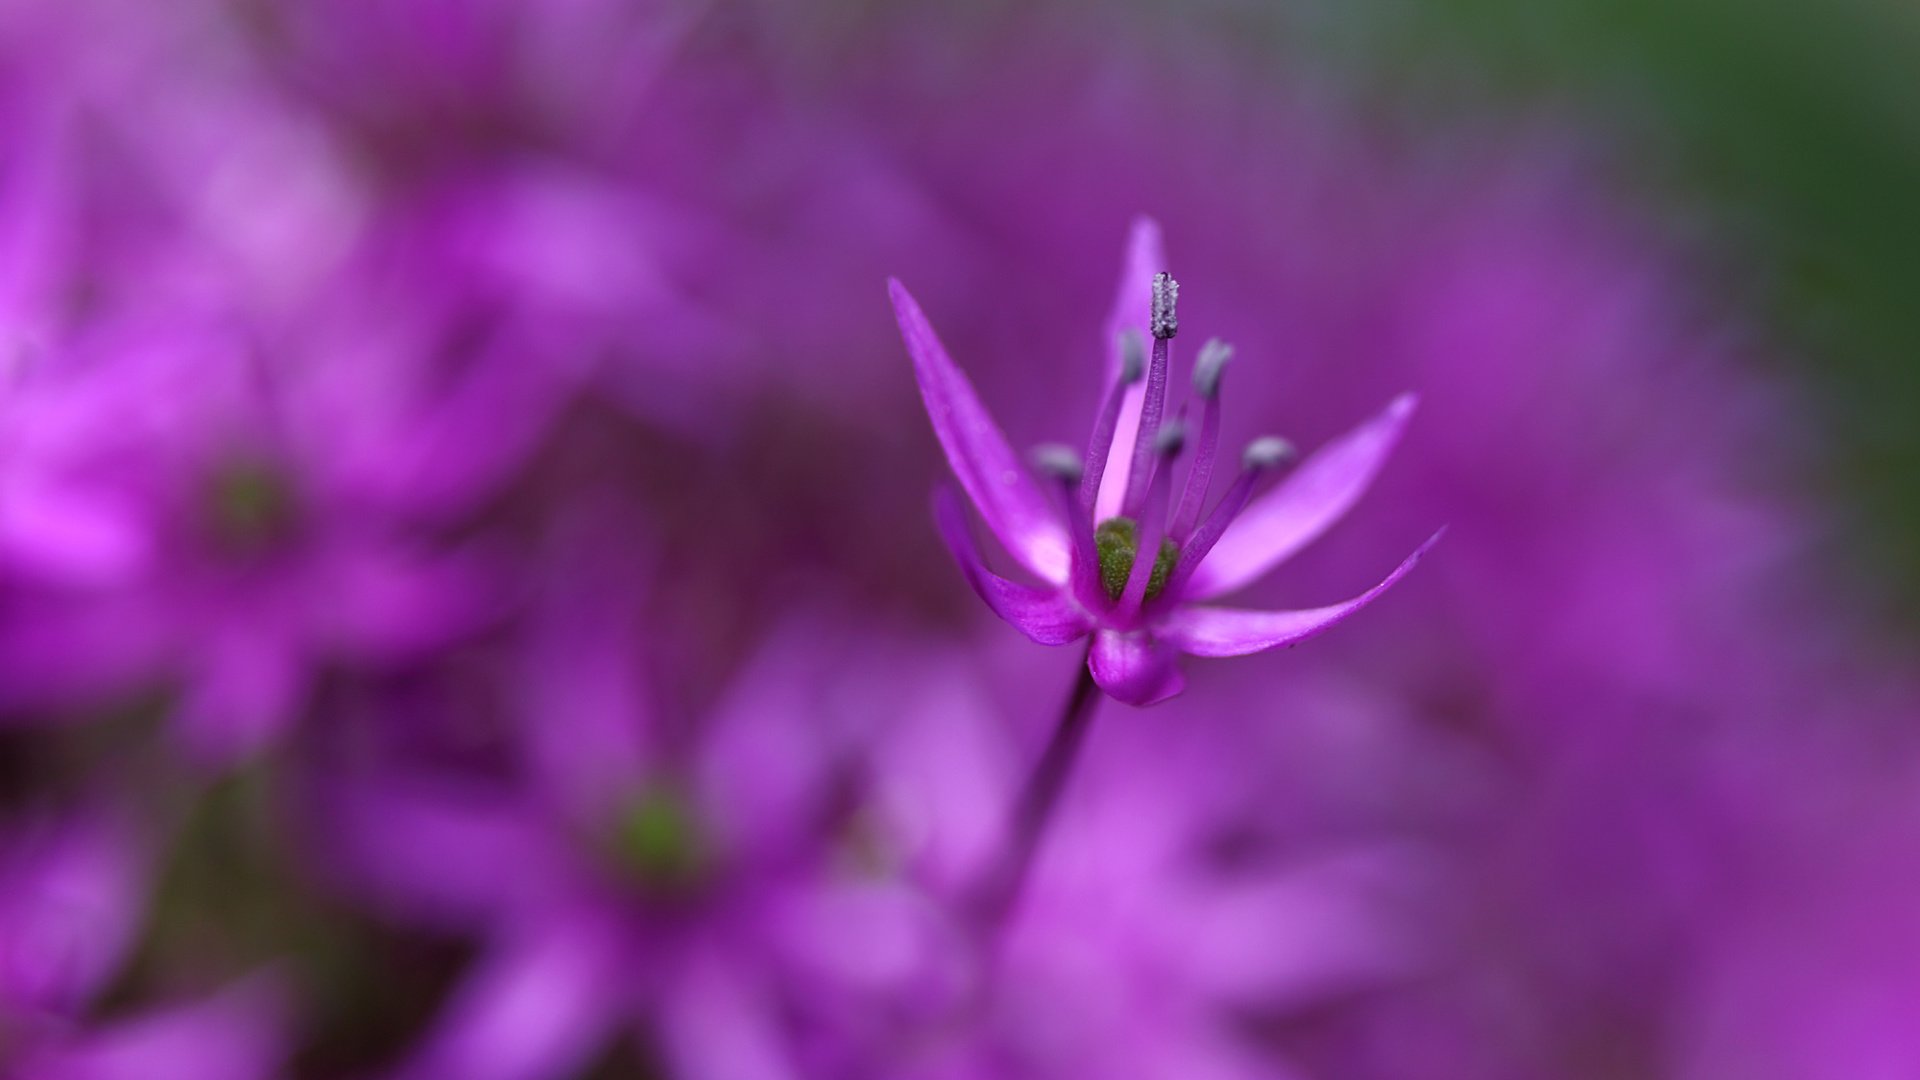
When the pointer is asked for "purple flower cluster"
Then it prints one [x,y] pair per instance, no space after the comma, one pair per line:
[468,609]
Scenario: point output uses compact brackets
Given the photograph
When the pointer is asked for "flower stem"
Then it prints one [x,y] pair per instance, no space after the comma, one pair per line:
[1038,801]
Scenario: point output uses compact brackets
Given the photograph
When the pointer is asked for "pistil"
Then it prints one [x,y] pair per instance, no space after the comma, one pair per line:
[1164,323]
[1167,444]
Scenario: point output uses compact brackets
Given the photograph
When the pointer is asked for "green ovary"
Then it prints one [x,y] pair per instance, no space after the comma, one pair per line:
[250,505]
[1118,541]
[658,844]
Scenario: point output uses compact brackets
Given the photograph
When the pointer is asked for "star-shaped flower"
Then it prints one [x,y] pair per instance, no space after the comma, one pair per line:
[1118,500]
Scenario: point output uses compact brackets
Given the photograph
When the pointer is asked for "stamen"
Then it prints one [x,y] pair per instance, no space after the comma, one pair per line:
[1207,369]
[1083,574]
[1260,456]
[1209,366]
[1133,359]
[1056,460]
[1164,322]
[1170,439]
[1167,444]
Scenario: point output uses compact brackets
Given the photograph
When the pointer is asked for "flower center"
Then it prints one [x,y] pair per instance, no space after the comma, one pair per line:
[250,505]
[1117,540]
[658,844]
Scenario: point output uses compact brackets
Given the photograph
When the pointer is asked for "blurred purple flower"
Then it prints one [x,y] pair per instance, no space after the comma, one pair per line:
[72,899]
[1139,948]
[1141,611]
[1809,965]
[434,84]
[778,890]
[667,878]
[193,524]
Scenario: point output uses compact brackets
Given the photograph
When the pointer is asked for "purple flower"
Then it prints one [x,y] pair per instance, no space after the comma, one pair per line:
[1119,501]
[72,890]
[1140,947]
[189,524]
[679,875]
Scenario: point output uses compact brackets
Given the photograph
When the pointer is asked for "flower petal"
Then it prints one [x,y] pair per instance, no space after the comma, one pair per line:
[238,1034]
[425,848]
[71,899]
[1013,506]
[1213,631]
[721,1023]
[1146,256]
[1135,669]
[591,749]
[1301,930]
[1305,505]
[1048,616]
[766,771]
[72,536]
[885,938]
[254,670]
[537,1005]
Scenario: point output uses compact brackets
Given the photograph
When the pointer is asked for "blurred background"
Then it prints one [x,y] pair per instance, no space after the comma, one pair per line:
[469,606]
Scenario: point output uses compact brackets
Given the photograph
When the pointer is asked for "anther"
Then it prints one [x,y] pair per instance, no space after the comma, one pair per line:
[1208,366]
[1170,439]
[1260,455]
[1163,320]
[1267,452]
[1058,461]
